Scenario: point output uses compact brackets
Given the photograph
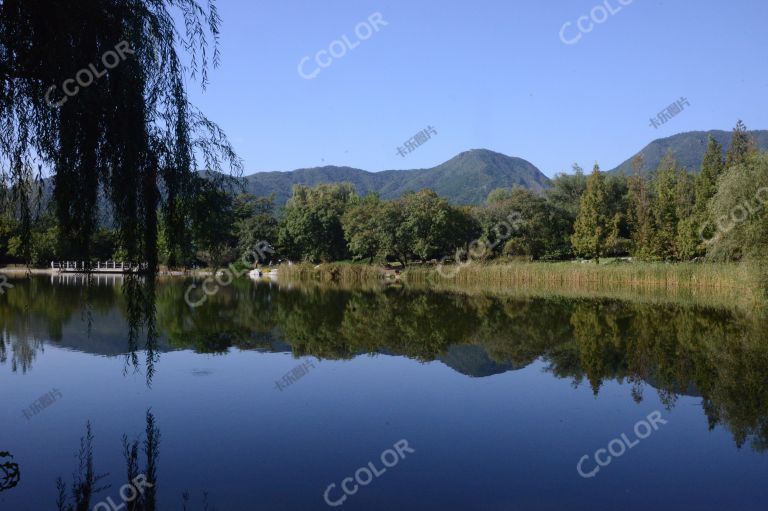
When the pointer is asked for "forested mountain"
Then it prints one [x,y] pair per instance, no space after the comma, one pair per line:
[464,179]
[687,148]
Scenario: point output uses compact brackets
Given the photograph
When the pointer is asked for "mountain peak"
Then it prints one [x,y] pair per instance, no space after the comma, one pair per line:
[483,154]
[467,178]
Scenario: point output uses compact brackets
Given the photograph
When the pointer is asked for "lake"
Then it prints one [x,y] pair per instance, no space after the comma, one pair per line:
[304,397]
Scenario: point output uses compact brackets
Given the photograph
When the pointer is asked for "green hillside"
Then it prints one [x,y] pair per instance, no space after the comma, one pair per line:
[688,148]
[465,179]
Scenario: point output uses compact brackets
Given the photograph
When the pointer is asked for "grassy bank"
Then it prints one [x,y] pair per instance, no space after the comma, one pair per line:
[705,282]
[331,272]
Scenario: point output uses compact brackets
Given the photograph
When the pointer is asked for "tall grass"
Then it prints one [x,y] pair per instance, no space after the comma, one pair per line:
[330,272]
[742,282]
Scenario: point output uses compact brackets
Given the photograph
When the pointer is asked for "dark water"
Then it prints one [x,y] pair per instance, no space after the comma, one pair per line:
[496,398]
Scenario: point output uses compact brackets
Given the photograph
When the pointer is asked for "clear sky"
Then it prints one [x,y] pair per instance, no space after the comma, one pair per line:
[489,74]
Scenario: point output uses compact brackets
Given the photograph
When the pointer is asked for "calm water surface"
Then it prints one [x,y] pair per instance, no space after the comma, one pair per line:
[497,397]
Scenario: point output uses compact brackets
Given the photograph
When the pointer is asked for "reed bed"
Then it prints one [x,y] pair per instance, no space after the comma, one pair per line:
[743,282]
[721,284]
[330,272]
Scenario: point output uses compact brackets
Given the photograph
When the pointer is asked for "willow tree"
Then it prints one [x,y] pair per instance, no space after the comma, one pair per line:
[92,94]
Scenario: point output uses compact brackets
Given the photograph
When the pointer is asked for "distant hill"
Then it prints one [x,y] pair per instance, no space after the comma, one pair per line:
[464,179]
[688,148]
[473,360]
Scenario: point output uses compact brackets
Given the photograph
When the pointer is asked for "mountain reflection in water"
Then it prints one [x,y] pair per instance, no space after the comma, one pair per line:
[676,349]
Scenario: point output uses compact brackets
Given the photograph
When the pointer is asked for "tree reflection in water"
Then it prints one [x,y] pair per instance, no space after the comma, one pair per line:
[716,353]
[85,490]
[10,474]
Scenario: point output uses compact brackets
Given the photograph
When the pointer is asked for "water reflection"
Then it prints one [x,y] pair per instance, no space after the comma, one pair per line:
[718,354]
[139,493]
[10,474]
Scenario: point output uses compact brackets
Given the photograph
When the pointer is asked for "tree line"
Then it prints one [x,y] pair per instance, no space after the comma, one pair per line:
[672,214]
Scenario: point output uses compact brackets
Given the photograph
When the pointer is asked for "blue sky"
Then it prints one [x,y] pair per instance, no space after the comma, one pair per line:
[489,74]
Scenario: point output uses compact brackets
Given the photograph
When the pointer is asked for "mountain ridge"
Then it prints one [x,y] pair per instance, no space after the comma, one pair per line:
[687,147]
[467,178]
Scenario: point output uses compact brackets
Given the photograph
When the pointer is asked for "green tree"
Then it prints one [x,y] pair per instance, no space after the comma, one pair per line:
[311,227]
[256,226]
[712,167]
[362,227]
[8,229]
[739,211]
[591,229]
[132,133]
[427,222]
[463,229]
[639,216]
[395,238]
[566,191]
[687,239]
[213,222]
[525,224]
[616,203]
[742,146]
[665,208]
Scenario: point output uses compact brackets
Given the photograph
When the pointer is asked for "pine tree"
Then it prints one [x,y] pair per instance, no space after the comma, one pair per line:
[592,224]
[639,215]
[711,169]
[665,210]
[742,146]
[687,239]
[705,187]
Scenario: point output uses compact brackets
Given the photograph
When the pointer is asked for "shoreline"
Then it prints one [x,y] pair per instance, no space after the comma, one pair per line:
[744,283]
[22,271]
[737,283]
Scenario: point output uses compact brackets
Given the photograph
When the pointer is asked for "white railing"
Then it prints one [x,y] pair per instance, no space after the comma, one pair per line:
[100,266]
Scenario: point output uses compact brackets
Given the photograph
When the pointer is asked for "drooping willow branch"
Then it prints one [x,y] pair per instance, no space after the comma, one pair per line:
[128,132]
